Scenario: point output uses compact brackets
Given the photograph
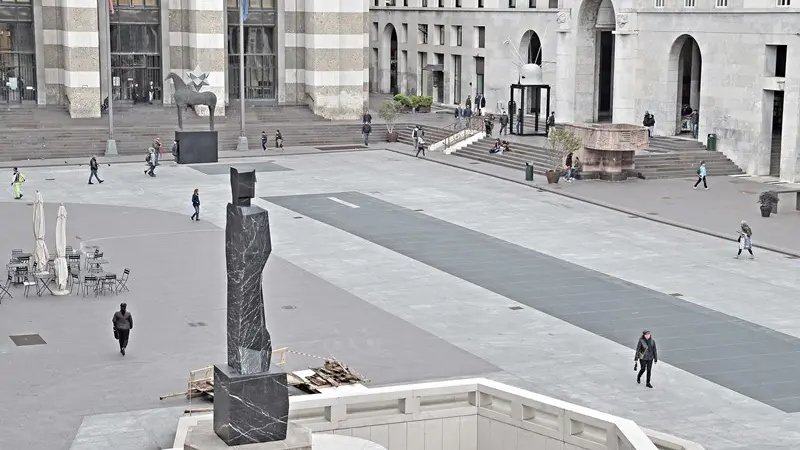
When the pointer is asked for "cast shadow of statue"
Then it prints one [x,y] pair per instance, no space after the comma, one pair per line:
[187,97]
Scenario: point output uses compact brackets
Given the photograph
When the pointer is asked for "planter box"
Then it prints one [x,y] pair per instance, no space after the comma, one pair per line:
[392,137]
[423,109]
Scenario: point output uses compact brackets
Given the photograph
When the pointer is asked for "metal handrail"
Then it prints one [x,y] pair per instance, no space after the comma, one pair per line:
[476,124]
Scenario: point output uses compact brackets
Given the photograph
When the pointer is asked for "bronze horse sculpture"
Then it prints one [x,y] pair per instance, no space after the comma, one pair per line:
[185,97]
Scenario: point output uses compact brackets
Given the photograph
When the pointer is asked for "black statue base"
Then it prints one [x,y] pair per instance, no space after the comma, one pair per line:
[196,147]
[250,409]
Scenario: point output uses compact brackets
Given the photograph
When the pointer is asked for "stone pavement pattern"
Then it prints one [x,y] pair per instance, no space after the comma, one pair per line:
[526,347]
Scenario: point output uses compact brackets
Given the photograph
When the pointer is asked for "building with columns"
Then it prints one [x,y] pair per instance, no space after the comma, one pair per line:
[315,52]
[736,62]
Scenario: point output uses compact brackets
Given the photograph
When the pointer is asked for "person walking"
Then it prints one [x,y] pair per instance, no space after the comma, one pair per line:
[366,129]
[278,139]
[568,167]
[420,147]
[367,117]
[122,321]
[649,121]
[646,355]
[93,170]
[503,124]
[264,140]
[16,181]
[550,123]
[745,242]
[702,171]
[416,134]
[151,167]
[159,150]
[174,150]
[196,204]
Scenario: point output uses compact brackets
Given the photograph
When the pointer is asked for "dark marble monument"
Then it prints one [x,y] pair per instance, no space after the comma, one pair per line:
[251,402]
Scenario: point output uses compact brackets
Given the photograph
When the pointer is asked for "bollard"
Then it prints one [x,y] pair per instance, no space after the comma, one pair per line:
[528,171]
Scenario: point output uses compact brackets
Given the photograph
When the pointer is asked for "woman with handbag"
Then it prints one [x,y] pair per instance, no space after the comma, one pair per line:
[745,240]
[122,321]
[646,355]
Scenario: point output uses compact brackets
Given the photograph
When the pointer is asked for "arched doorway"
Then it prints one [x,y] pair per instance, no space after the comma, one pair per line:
[388,60]
[594,74]
[685,69]
[531,51]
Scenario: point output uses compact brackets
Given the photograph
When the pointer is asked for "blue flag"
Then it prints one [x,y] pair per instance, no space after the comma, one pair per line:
[245,6]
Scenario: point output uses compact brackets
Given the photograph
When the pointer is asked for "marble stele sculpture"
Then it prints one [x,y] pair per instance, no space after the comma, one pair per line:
[251,402]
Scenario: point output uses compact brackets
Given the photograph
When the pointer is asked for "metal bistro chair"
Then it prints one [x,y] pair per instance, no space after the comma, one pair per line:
[74,263]
[20,274]
[90,282]
[74,280]
[4,289]
[28,280]
[109,284]
[122,282]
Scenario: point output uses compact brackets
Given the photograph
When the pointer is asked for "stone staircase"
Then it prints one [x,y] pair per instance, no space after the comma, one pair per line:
[432,134]
[669,157]
[48,132]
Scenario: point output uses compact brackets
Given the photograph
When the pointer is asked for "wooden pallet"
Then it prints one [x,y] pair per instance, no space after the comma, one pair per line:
[332,375]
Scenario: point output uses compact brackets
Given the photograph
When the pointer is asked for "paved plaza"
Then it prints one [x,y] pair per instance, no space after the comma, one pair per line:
[408,271]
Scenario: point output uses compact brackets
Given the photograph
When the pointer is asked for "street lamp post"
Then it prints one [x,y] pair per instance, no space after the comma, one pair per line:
[242,144]
[111,144]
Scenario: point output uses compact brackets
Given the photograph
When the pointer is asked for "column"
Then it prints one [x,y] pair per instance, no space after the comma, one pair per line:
[790,139]
[337,57]
[694,86]
[565,72]
[104,42]
[291,52]
[205,42]
[81,56]
[41,77]
[625,93]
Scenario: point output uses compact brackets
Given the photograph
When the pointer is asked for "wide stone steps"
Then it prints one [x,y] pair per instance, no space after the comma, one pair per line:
[432,134]
[49,132]
[684,164]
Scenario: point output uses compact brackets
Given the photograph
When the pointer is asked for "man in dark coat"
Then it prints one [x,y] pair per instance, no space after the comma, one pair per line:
[93,170]
[123,324]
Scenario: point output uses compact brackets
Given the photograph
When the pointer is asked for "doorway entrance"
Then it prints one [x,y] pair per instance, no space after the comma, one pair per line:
[135,62]
[388,63]
[594,79]
[686,62]
[260,65]
[777,131]
[17,62]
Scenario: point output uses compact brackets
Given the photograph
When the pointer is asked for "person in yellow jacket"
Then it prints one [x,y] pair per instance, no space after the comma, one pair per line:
[19,178]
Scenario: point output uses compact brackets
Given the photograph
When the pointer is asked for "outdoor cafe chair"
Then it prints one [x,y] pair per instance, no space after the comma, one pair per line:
[4,289]
[122,282]
[109,283]
[74,280]
[20,274]
[28,281]
[90,282]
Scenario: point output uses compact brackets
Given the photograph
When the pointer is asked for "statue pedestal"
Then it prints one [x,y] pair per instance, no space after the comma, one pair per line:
[202,437]
[195,147]
[250,408]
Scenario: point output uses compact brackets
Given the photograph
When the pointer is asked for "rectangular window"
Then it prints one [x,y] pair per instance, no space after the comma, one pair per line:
[424,3]
[458,3]
[721,4]
[479,74]
[439,30]
[374,32]
[689,3]
[480,3]
[659,3]
[404,33]
[552,4]
[457,36]
[531,3]
[776,61]
[456,79]
[512,3]
[422,37]
[783,3]
[480,37]
[441,3]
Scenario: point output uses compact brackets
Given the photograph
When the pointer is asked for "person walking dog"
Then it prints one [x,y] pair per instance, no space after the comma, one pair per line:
[122,321]
[196,204]
[646,355]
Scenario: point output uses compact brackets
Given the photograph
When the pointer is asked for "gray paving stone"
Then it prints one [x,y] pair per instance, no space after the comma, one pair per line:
[225,168]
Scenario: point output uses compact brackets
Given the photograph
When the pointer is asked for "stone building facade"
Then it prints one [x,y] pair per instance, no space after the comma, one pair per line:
[737,62]
[315,52]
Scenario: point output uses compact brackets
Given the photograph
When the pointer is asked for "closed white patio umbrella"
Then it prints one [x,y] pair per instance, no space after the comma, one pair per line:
[61,253]
[40,254]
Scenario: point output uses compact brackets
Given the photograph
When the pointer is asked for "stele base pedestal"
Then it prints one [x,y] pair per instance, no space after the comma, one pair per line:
[203,437]
[196,147]
[250,408]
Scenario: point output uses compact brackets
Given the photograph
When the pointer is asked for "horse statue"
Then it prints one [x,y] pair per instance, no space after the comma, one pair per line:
[185,97]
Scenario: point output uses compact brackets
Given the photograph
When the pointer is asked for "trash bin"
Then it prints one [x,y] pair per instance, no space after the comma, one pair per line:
[528,171]
[711,144]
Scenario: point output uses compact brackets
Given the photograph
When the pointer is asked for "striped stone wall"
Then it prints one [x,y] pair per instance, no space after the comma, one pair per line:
[326,60]
[197,36]
[71,55]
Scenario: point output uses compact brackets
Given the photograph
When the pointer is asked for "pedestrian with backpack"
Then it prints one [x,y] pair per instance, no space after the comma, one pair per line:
[701,175]
[17,181]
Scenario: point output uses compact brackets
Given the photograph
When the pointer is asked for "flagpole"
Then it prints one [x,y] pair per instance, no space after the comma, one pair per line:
[242,145]
[111,144]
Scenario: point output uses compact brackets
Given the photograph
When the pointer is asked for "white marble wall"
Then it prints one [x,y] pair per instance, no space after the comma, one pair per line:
[732,81]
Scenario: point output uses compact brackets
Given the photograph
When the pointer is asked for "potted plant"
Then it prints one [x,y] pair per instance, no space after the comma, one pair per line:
[769,203]
[404,102]
[390,112]
[560,143]
[422,103]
